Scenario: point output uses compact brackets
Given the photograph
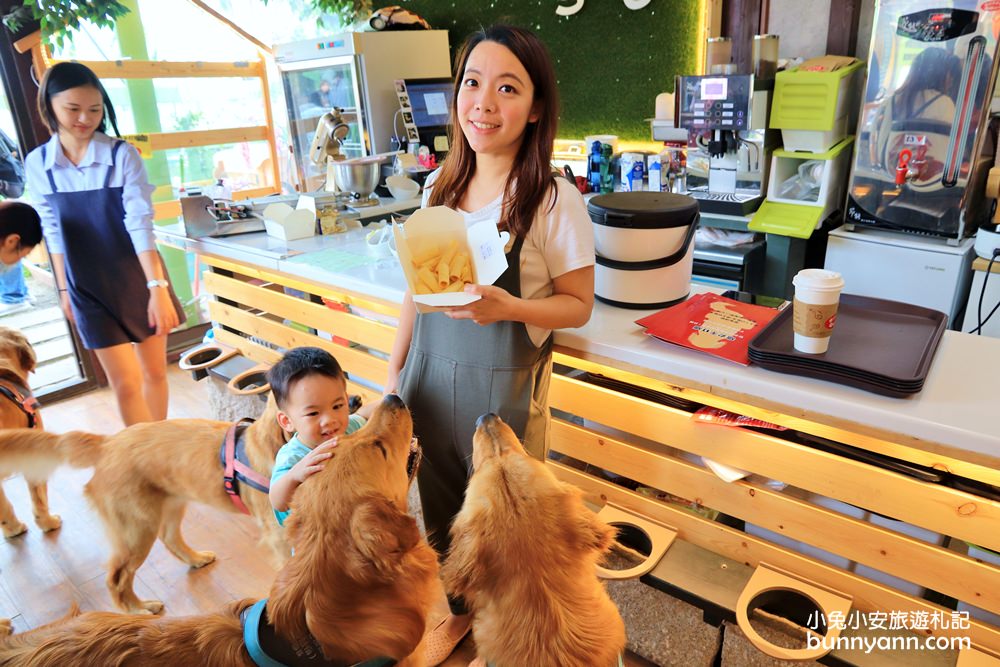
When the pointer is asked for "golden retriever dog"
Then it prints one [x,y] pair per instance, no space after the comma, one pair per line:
[17,359]
[523,554]
[359,586]
[143,478]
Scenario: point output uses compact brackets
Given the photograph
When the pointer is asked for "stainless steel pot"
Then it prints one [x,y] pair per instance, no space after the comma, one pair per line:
[359,176]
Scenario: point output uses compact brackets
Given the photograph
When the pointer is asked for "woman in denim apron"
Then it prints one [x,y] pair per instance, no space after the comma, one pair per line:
[93,196]
[494,355]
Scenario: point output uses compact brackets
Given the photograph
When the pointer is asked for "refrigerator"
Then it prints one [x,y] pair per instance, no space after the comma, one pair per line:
[920,270]
[355,72]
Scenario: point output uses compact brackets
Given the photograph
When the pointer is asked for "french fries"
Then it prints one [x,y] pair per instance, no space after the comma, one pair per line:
[442,269]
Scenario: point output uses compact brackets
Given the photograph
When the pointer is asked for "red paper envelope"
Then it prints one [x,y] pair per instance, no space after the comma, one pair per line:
[712,324]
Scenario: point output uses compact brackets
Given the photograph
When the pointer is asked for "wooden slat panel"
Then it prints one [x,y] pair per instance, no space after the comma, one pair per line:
[930,506]
[355,363]
[863,436]
[25,44]
[163,210]
[264,355]
[737,545]
[269,121]
[247,348]
[250,193]
[356,329]
[161,141]
[154,69]
[333,293]
[913,560]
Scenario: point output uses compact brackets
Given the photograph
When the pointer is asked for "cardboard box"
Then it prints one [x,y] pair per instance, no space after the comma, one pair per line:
[430,228]
[283,222]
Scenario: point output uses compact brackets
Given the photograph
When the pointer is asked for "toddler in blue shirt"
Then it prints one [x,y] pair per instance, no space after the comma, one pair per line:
[310,389]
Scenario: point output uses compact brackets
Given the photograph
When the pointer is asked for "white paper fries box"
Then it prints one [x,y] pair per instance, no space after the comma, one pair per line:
[283,222]
[433,232]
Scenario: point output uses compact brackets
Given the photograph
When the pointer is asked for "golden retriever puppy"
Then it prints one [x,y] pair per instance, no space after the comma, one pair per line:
[143,478]
[523,554]
[359,586]
[17,359]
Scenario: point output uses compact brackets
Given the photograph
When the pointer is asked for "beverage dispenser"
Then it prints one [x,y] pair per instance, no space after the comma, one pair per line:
[923,153]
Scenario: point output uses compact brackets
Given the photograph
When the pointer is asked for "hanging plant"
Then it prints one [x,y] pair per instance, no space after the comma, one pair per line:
[346,11]
[58,18]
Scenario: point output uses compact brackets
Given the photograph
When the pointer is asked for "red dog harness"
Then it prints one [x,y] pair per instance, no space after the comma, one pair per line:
[236,465]
[22,398]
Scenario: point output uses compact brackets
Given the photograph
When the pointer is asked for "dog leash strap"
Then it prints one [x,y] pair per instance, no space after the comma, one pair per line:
[23,399]
[244,472]
[229,479]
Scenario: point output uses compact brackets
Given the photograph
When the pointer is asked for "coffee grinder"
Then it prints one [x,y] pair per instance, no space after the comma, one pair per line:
[729,145]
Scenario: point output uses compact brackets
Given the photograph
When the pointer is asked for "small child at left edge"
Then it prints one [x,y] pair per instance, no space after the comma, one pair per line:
[310,389]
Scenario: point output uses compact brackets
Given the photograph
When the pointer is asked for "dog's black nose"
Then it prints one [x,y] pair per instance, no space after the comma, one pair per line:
[484,418]
[394,401]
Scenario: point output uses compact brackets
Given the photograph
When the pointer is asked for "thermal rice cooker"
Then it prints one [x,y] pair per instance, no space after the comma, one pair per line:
[645,247]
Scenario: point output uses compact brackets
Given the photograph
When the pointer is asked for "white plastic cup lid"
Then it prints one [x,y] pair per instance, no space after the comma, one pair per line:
[818,280]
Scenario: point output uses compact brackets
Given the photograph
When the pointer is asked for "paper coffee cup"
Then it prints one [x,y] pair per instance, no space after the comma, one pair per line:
[817,295]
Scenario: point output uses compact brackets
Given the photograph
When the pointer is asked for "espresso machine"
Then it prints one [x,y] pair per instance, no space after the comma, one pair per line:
[729,143]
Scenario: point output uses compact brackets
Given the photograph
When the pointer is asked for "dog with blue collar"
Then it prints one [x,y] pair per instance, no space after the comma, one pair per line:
[356,592]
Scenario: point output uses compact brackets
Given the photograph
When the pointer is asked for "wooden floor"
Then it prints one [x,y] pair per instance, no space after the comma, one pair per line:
[44,574]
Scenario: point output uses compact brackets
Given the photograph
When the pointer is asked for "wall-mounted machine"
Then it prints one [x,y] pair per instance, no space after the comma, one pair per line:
[354,72]
[923,151]
[729,144]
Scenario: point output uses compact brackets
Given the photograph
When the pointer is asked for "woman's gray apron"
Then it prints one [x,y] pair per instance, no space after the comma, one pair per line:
[456,371]
[106,283]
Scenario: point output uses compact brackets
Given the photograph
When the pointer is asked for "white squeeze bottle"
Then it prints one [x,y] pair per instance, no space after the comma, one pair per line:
[654,174]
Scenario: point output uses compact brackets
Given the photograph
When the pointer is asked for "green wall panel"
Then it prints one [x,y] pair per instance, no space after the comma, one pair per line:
[611,61]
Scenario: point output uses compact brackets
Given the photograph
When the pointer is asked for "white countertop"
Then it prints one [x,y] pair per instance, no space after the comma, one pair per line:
[955,408]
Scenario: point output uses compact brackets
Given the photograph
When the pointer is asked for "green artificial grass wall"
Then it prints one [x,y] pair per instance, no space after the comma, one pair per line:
[611,61]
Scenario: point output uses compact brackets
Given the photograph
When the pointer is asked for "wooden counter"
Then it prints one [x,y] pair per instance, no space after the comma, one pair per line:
[354,296]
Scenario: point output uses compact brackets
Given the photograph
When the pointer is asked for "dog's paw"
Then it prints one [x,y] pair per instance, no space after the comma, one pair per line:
[5,627]
[14,529]
[148,607]
[201,558]
[48,523]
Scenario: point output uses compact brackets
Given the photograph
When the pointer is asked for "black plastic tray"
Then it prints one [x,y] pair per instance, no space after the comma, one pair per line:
[836,376]
[831,368]
[879,345]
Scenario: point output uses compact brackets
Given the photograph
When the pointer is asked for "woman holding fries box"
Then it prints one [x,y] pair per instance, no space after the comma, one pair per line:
[494,354]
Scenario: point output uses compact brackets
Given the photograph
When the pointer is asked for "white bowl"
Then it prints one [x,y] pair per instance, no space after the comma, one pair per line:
[402,188]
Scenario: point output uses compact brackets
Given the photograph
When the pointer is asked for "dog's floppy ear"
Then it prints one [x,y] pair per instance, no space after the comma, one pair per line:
[383,536]
[25,354]
[468,560]
[286,607]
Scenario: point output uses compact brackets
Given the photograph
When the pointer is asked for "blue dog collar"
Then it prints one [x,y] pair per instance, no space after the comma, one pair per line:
[252,619]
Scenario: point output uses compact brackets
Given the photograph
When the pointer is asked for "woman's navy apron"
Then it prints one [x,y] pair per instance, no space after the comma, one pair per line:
[456,371]
[106,283]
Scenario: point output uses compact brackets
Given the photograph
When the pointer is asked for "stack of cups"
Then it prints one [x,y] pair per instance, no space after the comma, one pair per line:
[817,295]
